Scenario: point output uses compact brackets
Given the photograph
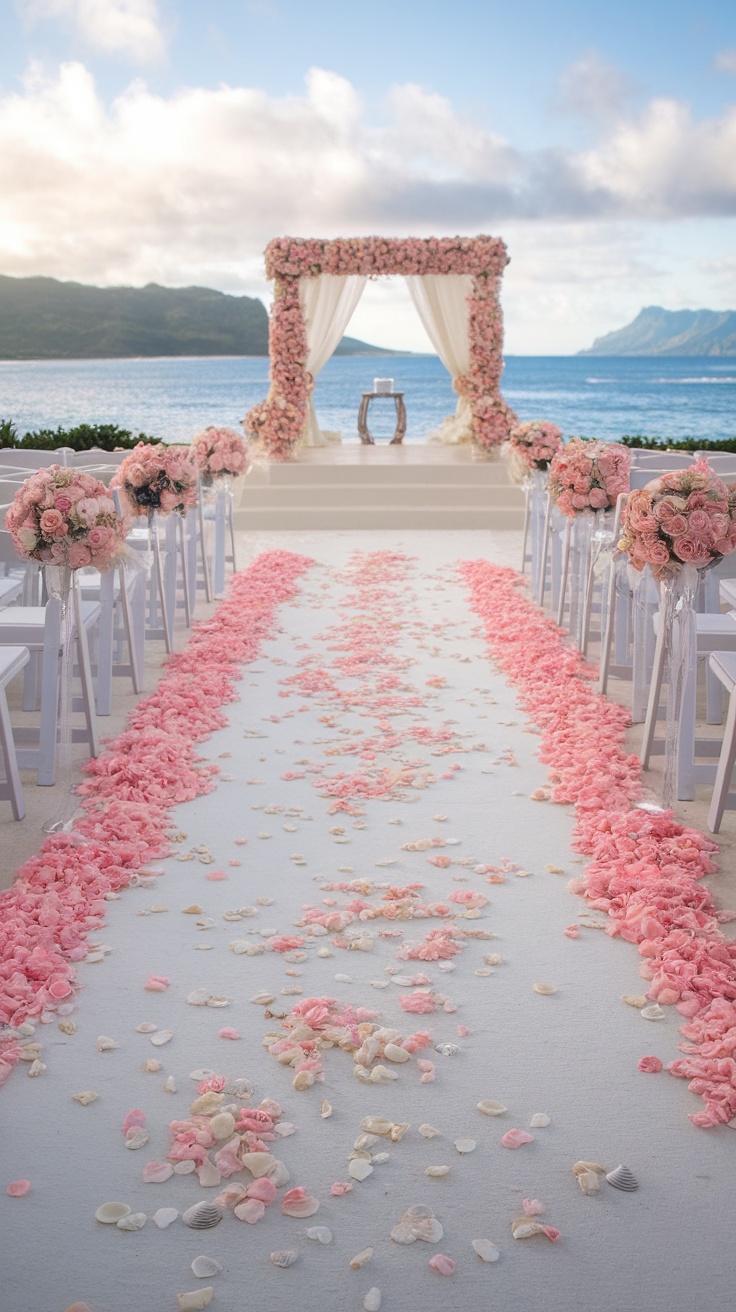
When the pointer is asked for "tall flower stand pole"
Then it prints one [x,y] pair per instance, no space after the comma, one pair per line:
[63,589]
[535,490]
[674,662]
[157,597]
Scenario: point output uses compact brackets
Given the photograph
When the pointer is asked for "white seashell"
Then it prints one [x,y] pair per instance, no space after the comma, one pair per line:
[161,1037]
[325,1110]
[483,971]
[151,1066]
[165,1216]
[219,1002]
[589,1181]
[264,998]
[418,1222]
[376,1125]
[258,1164]
[493,958]
[379,1158]
[466,1145]
[360,1258]
[344,979]
[222,1125]
[203,1215]
[111,1213]
[359,1168]
[623,1178]
[380,1074]
[392,1052]
[239,1088]
[105,1044]
[86,1097]
[320,1233]
[208,1104]
[372,1300]
[135,1221]
[539,1120]
[545,989]
[579,1167]
[428,1131]
[655,1012]
[208,1174]
[637,1000]
[490,1108]
[146,1027]
[486,1250]
[202,1073]
[137,1138]
[184,1168]
[199,997]
[196,1300]
[324,952]
[205,1266]
[447,1049]
[284,1257]
[437,1172]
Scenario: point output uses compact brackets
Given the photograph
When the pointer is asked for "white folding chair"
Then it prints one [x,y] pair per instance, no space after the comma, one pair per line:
[12,661]
[31,458]
[723,666]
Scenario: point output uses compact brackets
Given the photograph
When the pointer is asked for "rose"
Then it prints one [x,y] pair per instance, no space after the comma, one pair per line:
[656,551]
[79,555]
[598,498]
[88,508]
[52,524]
[63,502]
[690,551]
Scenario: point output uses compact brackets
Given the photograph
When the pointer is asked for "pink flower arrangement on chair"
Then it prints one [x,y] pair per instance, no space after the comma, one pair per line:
[219,453]
[684,518]
[586,475]
[162,478]
[65,517]
[531,446]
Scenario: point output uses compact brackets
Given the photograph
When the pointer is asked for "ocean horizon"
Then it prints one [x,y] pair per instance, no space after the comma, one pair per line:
[174,397]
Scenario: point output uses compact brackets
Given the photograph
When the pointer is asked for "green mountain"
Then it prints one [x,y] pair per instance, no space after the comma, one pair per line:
[655,331]
[44,319]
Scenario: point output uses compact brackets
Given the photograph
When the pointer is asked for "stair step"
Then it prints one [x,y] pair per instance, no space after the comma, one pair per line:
[340,496]
[380,517]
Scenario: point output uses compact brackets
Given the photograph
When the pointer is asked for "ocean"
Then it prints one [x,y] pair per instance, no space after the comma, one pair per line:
[594,396]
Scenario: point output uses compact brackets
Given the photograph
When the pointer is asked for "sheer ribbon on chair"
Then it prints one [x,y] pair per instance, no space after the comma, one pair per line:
[328,303]
[441,301]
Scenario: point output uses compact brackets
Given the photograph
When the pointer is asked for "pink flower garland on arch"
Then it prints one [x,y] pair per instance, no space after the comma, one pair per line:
[646,867]
[58,897]
[276,423]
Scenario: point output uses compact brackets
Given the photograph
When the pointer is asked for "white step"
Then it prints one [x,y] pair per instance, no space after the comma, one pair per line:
[390,517]
[334,495]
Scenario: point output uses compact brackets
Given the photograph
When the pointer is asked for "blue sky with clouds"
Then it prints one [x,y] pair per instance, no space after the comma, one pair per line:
[166,140]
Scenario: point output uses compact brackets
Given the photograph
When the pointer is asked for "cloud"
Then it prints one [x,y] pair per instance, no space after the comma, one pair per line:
[125,27]
[725,61]
[189,187]
[592,88]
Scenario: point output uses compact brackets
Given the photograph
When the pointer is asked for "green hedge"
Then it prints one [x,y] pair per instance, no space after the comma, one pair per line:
[107,437]
[679,443]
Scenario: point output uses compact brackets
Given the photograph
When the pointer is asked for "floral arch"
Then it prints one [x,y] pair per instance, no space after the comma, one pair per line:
[454,283]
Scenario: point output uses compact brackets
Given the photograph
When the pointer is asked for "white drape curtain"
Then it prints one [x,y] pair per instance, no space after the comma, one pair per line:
[441,301]
[327,303]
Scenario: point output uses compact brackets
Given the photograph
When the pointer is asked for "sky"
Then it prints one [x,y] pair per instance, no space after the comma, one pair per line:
[169,140]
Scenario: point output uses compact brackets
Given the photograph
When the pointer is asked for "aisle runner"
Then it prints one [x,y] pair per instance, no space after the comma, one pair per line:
[353,991]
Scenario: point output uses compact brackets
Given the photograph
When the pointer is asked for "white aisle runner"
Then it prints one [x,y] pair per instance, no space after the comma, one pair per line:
[452,761]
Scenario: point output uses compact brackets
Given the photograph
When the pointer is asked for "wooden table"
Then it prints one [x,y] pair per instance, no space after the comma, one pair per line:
[363,429]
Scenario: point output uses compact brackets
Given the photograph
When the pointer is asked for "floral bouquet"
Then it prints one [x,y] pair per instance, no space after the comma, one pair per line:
[160,478]
[531,446]
[219,453]
[588,476]
[67,518]
[684,518]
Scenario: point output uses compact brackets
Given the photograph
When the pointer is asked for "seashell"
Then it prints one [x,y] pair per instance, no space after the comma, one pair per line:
[284,1257]
[208,1175]
[278,1174]
[372,1300]
[486,1250]
[392,1052]
[198,997]
[250,1210]
[320,1233]
[111,1213]
[437,1172]
[490,1108]
[146,1027]
[376,1125]
[360,1258]
[380,1074]
[580,1167]
[466,1145]
[203,1215]
[447,1049]
[545,989]
[184,1168]
[443,1265]
[152,1066]
[78,1307]
[86,1097]
[524,1227]
[205,1266]
[325,1110]
[298,1203]
[418,1222]
[157,1172]
[219,1002]
[379,1158]
[539,1121]
[208,1104]
[196,1300]
[398,1130]
[623,1178]
[135,1221]
[161,1037]
[239,1088]
[222,1125]
[589,1182]
[359,1168]
[258,1163]
[164,1217]
[303,1080]
[105,1044]
[637,1000]
[193,910]
[428,1131]
[655,1012]
[67,1027]
[136,1137]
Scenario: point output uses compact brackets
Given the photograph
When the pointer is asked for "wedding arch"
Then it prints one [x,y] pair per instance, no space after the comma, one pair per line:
[454,284]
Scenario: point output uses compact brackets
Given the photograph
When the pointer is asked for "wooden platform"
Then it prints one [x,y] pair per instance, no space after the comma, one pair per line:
[421,485]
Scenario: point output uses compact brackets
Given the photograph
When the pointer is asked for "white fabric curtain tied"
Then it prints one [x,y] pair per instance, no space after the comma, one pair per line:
[441,301]
[328,303]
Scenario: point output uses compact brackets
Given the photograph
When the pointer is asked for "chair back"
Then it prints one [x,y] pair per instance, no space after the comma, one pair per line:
[30,458]
[96,456]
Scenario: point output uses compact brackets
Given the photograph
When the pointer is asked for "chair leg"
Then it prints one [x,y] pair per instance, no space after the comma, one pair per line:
[544,554]
[49,694]
[105,643]
[726,763]
[202,536]
[130,631]
[231,527]
[564,573]
[609,596]
[655,693]
[219,545]
[525,535]
[13,783]
[85,676]
[686,737]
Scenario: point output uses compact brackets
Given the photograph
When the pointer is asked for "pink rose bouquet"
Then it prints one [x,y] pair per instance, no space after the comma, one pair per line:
[531,446]
[585,476]
[160,478]
[684,518]
[219,453]
[66,517]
